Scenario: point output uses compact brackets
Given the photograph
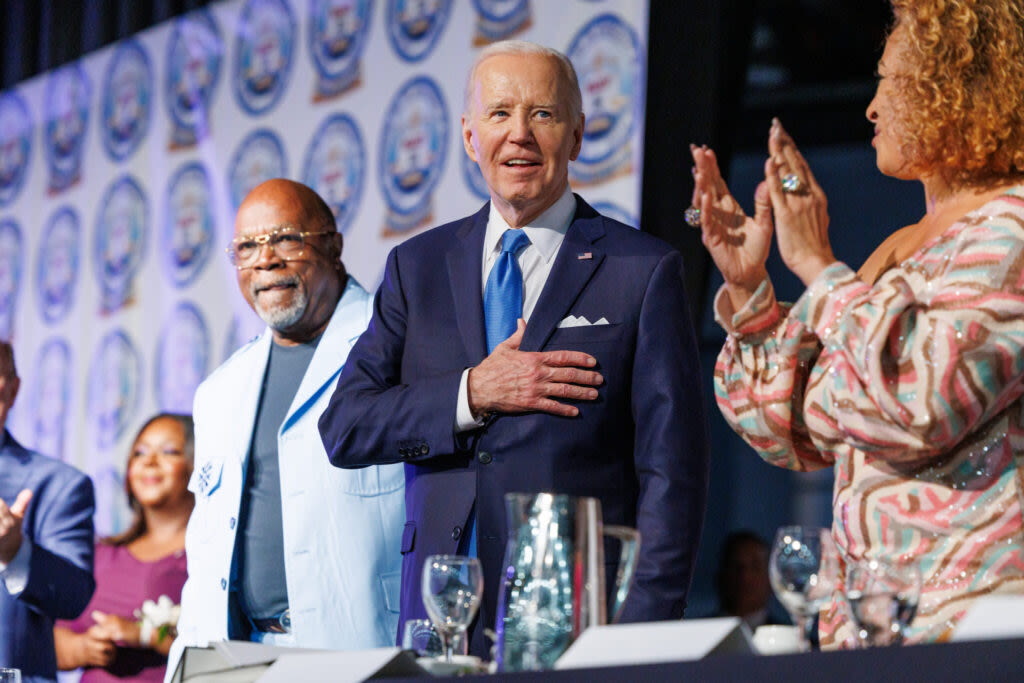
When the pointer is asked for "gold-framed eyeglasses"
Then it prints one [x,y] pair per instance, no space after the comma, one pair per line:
[289,244]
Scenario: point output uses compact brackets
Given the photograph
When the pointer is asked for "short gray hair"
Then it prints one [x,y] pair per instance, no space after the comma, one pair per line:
[524,47]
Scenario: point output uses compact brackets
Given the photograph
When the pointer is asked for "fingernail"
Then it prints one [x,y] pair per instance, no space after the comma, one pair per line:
[692,146]
[775,121]
[693,171]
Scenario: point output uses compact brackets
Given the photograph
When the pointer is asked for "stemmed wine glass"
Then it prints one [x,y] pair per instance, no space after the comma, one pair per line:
[883,600]
[803,568]
[452,588]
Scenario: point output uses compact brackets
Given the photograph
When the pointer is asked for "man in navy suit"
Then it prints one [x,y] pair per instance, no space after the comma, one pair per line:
[46,545]
[595,391]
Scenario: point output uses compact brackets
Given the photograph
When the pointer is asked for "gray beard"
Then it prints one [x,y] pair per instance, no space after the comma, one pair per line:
[282,318]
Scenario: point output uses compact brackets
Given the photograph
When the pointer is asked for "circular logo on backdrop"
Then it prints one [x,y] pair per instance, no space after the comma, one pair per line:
[338,30]
[606,55]
[10,274]
[186,238]
[500,19]
[258,157]
[616,212]
[193,66]
[51,395]
[119,241]
[114,391]
[335,166]
[126,100]
[66,106]
[111,511]
[57,264]
[414,26]
[264,48]
[15,145]
[474,178]
[413,145]
[182,358]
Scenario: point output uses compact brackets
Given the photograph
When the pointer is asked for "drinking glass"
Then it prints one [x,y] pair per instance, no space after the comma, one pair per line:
[421,637]
[452,588]
[803,569]
[10,675]
[883,600]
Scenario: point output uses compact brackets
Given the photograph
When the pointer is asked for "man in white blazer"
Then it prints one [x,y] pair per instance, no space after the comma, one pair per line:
[282,547]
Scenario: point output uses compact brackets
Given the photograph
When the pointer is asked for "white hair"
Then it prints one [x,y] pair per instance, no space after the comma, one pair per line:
[524,47]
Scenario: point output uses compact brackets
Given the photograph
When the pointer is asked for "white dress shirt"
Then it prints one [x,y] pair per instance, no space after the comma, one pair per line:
[546,233]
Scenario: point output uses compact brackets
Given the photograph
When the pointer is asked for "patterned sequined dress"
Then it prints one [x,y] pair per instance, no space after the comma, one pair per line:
[911,389]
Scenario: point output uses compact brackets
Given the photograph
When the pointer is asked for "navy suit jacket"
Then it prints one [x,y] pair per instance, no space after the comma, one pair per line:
[641,447]
[58,524]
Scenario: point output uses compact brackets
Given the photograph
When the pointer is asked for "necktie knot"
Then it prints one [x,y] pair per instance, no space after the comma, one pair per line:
[514,240]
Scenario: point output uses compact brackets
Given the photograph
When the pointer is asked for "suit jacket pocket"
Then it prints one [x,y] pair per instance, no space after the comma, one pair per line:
[391,586]
[568,337]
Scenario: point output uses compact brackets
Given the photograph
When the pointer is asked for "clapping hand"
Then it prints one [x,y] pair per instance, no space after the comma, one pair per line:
[11,519]
[738,244]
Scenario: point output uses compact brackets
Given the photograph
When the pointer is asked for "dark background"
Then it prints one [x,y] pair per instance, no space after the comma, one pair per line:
[718,71]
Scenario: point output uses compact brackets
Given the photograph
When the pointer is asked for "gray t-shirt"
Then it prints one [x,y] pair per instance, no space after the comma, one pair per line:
[259,546]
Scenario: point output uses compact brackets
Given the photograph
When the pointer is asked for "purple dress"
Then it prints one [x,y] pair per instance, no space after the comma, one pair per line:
[123,582]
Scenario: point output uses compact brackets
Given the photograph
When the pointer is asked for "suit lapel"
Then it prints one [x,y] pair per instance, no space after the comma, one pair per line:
[250,385]
[14,474]
[341,333]
[464,267]
[569,275]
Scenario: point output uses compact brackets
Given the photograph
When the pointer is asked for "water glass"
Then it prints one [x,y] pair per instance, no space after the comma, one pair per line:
[10,675]
[421,637]
[883,600]
[803,568]
[452,587]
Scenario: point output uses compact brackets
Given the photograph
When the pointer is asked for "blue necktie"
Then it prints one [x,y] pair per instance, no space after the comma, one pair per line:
[503,296]
[503,306]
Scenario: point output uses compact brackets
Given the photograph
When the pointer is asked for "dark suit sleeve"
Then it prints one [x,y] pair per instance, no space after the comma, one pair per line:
[670,450]
[375,418]
[60,581]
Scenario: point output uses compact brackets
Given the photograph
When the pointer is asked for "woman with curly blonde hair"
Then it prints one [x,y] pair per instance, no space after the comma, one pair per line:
[906,376]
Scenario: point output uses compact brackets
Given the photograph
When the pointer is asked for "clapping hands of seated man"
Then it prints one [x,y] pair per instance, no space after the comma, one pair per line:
[514,381]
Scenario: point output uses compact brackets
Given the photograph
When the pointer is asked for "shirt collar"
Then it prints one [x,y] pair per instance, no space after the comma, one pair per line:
[545,231]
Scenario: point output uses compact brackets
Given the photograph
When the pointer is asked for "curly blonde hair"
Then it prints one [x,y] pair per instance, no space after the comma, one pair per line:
[963,98]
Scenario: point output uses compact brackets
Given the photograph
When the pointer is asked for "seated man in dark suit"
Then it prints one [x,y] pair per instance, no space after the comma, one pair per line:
[46,545]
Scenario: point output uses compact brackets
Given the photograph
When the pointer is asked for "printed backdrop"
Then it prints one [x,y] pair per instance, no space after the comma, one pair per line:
[120,175]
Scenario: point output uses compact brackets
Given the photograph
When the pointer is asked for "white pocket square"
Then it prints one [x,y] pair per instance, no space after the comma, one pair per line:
[573,321]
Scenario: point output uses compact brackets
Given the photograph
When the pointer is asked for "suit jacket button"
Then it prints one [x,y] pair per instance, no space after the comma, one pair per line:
[223,584]
[456,533]
[484,458]
[404,452]
[424,449]
[232,523]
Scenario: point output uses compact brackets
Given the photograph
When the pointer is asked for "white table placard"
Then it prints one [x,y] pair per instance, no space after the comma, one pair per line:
[352,666]
[651,643]
[992,617]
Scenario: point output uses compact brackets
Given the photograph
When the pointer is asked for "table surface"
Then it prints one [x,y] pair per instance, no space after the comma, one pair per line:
[983,661]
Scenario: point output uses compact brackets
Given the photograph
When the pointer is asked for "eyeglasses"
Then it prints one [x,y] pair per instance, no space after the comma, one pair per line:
[287,243]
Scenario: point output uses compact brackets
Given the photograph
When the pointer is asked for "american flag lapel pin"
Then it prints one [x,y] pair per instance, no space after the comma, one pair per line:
[584,256]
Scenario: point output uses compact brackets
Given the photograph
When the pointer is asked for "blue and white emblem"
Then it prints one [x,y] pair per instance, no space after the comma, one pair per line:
[263,54]
[119,242]
[111,507]
[15,145]
[51,396]
[608,60]
[413,147]
[126,100]
[11,259]
[194,56]
[258,157]
[114,387]
[616,212]
[338,30]
[414,26]
[187,234]
[335,167]
[66,106]
[57,264]
[182,358]
[500,19]
[474,178]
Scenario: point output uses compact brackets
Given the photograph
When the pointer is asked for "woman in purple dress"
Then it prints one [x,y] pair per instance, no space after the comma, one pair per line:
[109,640]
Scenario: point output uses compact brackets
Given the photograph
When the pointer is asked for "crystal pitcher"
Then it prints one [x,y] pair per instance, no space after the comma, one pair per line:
[553,584]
